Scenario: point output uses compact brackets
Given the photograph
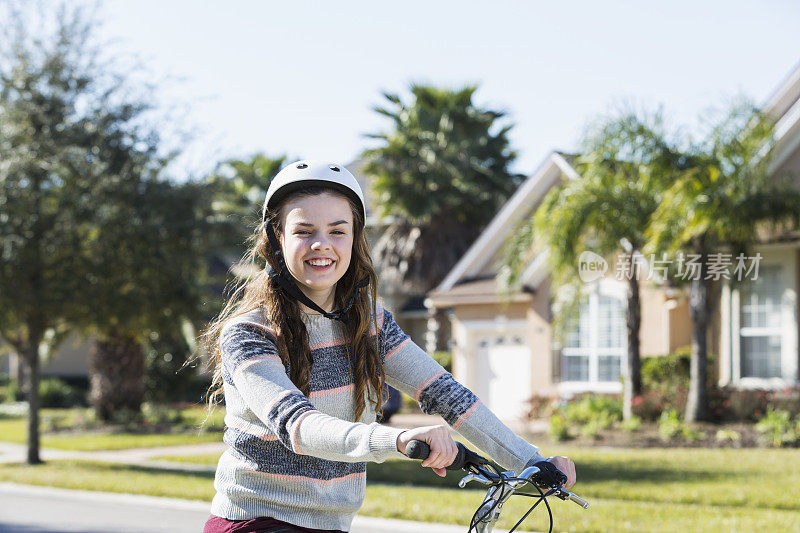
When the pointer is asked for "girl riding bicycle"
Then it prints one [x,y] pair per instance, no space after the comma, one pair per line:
[302,352]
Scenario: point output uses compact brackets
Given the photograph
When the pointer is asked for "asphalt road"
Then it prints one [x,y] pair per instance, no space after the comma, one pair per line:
[28,509]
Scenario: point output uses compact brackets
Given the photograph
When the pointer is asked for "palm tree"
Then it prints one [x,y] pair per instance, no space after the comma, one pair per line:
[723,195]
[623,171]
[442,172]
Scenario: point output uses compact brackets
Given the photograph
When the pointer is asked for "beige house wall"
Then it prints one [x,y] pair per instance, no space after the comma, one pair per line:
[680,324]
[666,322]
[490,311]
[70,360]
[653,333]
[540,341]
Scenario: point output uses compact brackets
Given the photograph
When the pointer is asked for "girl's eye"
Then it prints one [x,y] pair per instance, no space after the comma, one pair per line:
[338,232]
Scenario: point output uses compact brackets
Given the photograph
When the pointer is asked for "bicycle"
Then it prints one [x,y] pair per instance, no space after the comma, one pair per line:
[502,485]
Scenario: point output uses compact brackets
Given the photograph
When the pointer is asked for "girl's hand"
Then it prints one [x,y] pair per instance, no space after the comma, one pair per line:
[443,447]
[566,465]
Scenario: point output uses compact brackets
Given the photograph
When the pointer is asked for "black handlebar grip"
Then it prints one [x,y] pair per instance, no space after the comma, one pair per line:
[417,449]
[549,475]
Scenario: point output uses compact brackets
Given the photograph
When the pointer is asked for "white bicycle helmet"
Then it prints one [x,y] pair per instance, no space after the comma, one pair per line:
[305,173]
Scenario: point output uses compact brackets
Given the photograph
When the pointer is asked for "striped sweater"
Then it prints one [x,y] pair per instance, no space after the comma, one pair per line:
[302,459]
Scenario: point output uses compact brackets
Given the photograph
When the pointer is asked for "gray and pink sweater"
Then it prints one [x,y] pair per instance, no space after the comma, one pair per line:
[303,459]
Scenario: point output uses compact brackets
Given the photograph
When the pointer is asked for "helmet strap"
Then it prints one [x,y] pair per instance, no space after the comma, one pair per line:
[287,283]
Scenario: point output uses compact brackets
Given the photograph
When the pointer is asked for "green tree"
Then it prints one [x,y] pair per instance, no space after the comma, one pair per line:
[442,172]
[146,254]
[723,196]
[624,168]
[92,239]
[237,189]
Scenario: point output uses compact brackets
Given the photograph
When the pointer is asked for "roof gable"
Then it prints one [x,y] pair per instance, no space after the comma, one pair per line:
[483,251]
[783,105]
[784,96]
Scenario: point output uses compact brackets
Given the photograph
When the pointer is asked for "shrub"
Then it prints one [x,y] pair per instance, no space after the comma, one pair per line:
[668,372]
[669,424]
[728,435]
[161,415]
[54,392]
[587,414]
[665,382]
[776,428]
[602,410]
[592,428]
[634,423]
[558,429]
[11,392]
[652,403]
[691,434]
[787,399]
[130,419]
[734,405]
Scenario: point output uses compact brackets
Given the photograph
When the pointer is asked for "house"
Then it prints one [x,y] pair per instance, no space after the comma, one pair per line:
[757,323]
[504,347]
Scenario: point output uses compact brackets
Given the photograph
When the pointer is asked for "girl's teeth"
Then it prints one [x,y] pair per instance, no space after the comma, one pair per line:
[320,263]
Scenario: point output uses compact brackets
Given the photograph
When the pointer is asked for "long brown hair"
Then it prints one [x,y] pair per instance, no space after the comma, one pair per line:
[258,291]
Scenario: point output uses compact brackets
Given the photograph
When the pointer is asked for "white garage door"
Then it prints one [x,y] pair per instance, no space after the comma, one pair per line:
[504,370]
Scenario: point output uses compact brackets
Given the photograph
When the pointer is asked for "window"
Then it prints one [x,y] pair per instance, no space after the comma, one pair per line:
[760,329]
[595,342]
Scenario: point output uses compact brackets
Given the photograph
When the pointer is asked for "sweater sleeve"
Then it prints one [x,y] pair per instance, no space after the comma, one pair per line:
[250,362]
[409,369]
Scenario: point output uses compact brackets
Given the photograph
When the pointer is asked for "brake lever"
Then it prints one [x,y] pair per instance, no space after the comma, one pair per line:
[566,495]
[473,477]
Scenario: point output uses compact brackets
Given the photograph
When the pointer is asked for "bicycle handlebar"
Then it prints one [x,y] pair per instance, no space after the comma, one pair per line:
[417,449]
[502,485]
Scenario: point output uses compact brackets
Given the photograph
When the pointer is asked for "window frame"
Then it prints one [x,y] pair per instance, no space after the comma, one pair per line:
[617,291]
[785,257]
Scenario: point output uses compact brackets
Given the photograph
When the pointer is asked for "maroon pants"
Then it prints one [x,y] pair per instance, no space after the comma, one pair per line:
[216,524]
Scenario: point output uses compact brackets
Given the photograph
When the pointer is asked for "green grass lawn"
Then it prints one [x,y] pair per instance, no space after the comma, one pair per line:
[203,459]
[187,431]
[629,489]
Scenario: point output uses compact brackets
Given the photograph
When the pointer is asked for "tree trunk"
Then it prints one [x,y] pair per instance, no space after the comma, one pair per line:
[699,306]
[700,310]
[633,379]
[30,357]
[117,371]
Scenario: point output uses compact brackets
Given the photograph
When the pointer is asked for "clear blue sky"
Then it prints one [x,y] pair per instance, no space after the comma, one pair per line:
[300,78]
